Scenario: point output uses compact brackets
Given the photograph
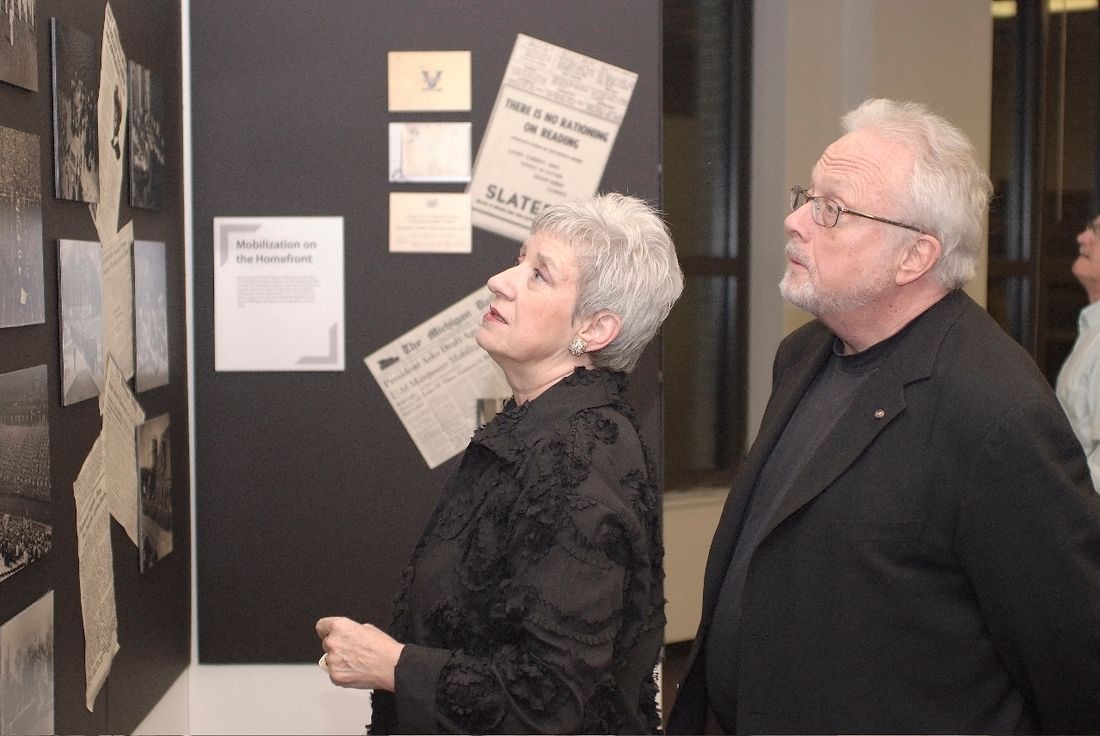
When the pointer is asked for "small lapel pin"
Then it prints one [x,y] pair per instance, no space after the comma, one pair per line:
[879,413]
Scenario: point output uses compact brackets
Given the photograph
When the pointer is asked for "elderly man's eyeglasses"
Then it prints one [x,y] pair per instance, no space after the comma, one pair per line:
[826,212]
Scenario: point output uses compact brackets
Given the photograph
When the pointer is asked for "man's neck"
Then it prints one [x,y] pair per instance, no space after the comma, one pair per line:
[860,328]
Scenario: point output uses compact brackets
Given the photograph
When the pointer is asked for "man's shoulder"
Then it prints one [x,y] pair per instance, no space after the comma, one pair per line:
[976,335]
[977,361]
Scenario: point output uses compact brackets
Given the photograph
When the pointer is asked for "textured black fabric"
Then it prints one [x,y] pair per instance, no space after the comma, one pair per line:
[534,600]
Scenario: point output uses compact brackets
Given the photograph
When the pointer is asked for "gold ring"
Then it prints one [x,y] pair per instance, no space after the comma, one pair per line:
[323,662]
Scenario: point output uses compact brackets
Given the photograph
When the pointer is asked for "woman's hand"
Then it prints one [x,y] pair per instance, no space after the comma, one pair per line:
[358,655]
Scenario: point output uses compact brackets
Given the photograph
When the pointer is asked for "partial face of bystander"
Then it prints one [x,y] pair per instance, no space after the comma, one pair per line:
[1086,269]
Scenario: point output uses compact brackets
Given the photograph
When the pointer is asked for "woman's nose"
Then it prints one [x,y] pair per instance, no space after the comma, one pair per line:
[498,282]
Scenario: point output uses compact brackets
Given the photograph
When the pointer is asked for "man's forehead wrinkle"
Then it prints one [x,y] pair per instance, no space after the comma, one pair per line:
[848,175]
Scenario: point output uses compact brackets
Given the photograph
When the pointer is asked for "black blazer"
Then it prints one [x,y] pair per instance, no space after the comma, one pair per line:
[935,567]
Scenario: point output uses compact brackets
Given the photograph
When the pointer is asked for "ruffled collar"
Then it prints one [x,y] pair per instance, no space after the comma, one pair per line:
[517,428]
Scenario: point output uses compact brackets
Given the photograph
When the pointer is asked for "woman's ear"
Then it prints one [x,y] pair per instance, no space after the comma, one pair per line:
[600,329]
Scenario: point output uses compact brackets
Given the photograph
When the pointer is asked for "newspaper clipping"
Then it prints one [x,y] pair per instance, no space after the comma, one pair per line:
[112,128]
[122,415]
[435,374]
[97,582]
[118,298]
[549,136]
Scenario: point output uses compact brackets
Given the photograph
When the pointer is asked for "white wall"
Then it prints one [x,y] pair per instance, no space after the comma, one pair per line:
[813,60]
[690,519]
[258,699]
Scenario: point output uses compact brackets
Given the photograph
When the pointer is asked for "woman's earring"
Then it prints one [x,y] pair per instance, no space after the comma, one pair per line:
[578,346]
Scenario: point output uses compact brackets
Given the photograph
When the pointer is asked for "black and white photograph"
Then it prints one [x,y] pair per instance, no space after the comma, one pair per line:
[18,44]
[26,670]
[147,151]
[75,114]
[22,299]
[82,339]
[25,516]
[150,316]
[155,471]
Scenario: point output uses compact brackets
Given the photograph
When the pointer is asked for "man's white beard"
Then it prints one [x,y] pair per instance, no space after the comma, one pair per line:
[818,302]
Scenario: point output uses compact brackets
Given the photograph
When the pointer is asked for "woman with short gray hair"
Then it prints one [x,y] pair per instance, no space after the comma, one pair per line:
[534,600]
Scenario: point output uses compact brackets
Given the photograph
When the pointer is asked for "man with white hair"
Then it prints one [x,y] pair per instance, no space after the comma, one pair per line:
[1078,386]
[912,543]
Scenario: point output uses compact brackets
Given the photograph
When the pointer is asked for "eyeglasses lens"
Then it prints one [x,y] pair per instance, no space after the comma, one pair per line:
[798,198]
[825,212]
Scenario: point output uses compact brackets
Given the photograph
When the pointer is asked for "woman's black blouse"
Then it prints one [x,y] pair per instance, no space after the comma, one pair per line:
[534,600]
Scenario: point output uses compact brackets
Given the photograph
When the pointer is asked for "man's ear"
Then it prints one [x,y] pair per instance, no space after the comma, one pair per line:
[600,329]
[918,258]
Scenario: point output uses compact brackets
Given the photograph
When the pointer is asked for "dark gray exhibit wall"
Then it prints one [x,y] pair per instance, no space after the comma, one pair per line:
[154,608]
[311,494]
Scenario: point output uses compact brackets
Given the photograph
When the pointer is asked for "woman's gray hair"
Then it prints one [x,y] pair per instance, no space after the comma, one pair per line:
[627,266]
[948,190]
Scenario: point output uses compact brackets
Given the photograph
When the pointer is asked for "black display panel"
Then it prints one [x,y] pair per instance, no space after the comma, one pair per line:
[310,493]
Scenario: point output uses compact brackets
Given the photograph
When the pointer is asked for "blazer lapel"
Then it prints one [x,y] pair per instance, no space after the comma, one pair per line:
[857,428]
[878,404]
[791,384]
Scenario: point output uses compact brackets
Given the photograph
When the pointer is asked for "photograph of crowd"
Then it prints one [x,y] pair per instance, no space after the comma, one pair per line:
[155,470]
[27,671]
[25,516]
[18,50]
[150,316]
[21,291]
[75,114]
[82,340]
[147,153]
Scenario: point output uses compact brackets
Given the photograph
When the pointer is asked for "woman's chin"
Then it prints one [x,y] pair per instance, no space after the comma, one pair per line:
[485,342]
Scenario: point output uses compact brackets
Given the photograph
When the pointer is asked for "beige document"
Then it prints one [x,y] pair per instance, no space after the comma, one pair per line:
[551,131]
[429,81]
[97,582]
[112,128]
[122,415]
[430,152]
[118,297]
[430,222]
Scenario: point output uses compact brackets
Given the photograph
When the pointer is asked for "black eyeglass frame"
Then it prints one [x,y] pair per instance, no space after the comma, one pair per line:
[799,193]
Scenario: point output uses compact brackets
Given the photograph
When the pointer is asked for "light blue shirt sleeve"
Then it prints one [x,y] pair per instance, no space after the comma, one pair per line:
[1078,388]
